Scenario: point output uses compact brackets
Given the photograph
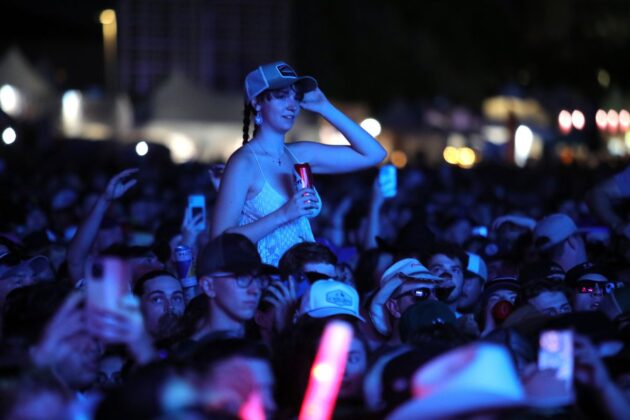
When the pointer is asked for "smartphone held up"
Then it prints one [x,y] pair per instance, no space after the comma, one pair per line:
[197,207]
[108,280]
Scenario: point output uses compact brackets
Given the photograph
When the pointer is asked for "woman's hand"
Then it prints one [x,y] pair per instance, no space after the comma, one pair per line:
[315,101]
[303,203]
[120,184]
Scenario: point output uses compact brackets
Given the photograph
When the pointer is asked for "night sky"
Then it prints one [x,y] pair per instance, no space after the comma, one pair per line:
[380,51]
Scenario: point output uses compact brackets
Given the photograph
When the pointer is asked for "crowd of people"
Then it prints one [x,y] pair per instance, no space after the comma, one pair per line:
[493,291]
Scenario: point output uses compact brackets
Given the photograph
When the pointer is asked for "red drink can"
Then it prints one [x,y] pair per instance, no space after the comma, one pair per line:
[306,176]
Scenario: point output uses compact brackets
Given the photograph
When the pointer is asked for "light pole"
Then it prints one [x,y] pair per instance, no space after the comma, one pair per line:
[108,20]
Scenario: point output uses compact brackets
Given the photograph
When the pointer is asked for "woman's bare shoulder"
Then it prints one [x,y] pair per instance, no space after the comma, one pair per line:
[242,158]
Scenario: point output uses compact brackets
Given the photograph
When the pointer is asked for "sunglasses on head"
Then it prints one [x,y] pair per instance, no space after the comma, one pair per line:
[590,286]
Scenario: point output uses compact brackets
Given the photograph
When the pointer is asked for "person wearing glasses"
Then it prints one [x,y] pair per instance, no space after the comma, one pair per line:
[403,284]
[232,277]
[589,283]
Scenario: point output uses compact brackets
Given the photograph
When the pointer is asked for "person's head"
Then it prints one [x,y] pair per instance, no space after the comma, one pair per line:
[589,284]
[475,276]
[229,270]
[404,283]
[326,298]
[161,299]
[556,237]
[499,298]
[448,262]
[547,296]
[309,257]
[273,93]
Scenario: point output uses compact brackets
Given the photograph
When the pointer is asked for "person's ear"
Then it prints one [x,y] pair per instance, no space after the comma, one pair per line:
[207,285]
[392,307]
[255,104]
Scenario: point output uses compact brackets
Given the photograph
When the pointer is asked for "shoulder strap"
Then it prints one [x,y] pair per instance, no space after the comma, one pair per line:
[292,155]
[251,149]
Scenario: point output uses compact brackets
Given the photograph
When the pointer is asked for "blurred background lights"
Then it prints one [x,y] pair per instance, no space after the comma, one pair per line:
[10,100]
[451,155]
[372,126]
[107,17]
[523,140]
[9,136]
[578,120]
[71,112]
[182,148]
[603,78]
[601,119]
[398,158]
[613,120]
[142,148]
[564,121]
[624,120]
[466,157]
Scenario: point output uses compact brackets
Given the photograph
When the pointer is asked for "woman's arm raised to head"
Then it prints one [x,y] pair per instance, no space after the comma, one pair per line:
[364,150]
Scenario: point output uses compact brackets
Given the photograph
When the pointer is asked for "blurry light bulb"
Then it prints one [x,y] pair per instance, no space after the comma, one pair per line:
[372,126]
[624,120]
[142,148]
[467,157]
[107,17]
[10,100]
[523,140]
[613,120]
[578,120]
[601,119]
[564,121]
[451,155]
[9,136]
[603,78]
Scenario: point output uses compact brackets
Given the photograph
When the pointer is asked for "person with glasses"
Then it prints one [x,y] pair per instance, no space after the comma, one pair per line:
[589,283]
[403,284]
[232,277]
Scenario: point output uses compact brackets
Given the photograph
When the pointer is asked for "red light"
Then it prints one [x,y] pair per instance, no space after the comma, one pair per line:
[564,121]
[327,372]
[601,119]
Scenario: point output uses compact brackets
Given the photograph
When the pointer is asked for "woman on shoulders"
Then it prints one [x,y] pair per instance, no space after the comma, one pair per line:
[258,196]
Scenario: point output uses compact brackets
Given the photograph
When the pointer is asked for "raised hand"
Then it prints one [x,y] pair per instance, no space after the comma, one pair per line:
[215,172]
[55,344]
[314,101]
[120,184]
[284,299]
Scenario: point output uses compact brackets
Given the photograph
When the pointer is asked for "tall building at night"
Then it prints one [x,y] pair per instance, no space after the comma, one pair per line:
[212,42]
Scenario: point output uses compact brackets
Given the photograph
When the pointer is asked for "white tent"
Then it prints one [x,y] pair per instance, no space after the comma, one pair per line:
[36,95]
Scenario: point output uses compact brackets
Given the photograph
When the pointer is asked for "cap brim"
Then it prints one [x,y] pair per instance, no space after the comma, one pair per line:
[331,311]
[465,402]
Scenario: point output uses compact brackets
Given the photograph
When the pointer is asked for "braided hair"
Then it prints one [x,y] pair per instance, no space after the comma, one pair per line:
[248,111]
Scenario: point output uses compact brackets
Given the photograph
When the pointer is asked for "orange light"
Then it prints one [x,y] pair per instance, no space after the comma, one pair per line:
[398,159]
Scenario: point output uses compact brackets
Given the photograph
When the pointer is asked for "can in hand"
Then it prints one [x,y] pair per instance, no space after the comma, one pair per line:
[306,176]
[183,261]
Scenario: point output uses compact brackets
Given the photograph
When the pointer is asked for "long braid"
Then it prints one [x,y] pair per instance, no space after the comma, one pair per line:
[247,112]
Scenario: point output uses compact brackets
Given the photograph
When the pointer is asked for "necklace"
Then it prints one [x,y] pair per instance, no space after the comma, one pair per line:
[274,159]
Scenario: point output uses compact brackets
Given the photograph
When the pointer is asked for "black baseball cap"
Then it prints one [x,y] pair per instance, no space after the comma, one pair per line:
[231,253]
